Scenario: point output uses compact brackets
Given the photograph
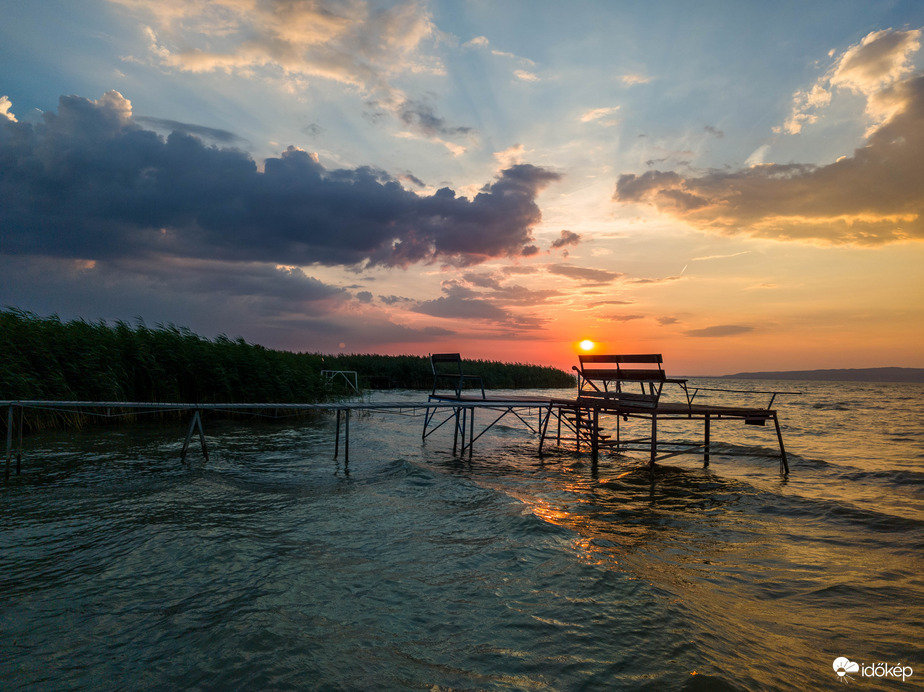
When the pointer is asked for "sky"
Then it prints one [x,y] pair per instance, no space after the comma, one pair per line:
[738,186]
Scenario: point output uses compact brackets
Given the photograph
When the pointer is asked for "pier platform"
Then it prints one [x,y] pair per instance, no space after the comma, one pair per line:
[587,421]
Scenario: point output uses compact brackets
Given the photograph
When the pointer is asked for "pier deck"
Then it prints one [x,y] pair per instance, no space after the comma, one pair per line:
[582,418]
[579,417]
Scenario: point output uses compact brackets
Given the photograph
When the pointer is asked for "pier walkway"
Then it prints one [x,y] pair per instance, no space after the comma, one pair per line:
[459,411]
[585,420]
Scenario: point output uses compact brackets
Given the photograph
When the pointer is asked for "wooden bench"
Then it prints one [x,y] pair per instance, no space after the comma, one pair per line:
[634,380]
[448,375]
[629,387]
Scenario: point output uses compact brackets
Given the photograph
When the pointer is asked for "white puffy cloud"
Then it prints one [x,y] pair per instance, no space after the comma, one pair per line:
[5,106]
[872,197]
[869,68]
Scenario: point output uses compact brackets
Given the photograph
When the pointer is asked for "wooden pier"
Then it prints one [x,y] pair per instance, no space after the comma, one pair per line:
[610,391]
[461,412]
[630,387]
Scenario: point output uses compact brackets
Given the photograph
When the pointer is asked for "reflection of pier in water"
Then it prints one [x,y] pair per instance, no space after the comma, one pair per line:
[580,420]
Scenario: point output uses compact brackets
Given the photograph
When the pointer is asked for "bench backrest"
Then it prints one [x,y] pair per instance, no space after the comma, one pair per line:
[447,374]
[632,379]
[446,363]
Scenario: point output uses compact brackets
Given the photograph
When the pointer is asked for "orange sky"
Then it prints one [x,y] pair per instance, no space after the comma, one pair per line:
[737,190]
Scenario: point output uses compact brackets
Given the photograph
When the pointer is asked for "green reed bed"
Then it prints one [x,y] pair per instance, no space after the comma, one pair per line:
[45,358]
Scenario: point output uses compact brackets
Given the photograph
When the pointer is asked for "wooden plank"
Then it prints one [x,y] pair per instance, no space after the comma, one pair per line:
[634,375]
[622,358]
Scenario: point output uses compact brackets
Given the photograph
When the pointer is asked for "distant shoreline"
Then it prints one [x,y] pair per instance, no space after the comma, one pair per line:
[908,375]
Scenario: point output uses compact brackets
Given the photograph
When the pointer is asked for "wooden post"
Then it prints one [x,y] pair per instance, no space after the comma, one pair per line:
[544,426]
[706,442]
[595,438]
[337,436]
[22,421]
[558,438]
[346,439]
[9,441]
[784,464]
[618,430]
[577,429]
[654,438]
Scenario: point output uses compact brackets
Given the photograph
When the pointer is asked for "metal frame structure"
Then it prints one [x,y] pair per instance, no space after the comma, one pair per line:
[605,388]
[581,415]
[462,411]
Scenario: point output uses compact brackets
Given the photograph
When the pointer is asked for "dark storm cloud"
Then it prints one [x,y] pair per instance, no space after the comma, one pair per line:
[567,238]
[89,182]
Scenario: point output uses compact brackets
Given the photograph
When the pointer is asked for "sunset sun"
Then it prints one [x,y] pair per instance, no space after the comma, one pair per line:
[586,345]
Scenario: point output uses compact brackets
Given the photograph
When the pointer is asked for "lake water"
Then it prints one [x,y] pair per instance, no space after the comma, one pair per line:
[273,566]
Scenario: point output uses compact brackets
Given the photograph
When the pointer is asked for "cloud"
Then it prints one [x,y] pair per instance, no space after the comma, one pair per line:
[5,106]
[625,318]
[355,43]
[757,156]
[656,281]
[719,330]
[601,303]
[869,68]
[705,258]
[477,42]
[211,294]
[873,197]
[510,156]
[421,117]
[89,182]
[462,303]
[363,45]
[600,114]
[482,280]
[395,300]
[526,76]
[583,273]
[200,131]
[633,79]
[567,238]
[509,294]
[880,59]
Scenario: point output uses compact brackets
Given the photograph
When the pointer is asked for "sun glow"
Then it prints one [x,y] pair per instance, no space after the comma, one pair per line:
[586,345]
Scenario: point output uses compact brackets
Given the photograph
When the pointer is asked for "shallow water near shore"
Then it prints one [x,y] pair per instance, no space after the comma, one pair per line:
[274,566]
